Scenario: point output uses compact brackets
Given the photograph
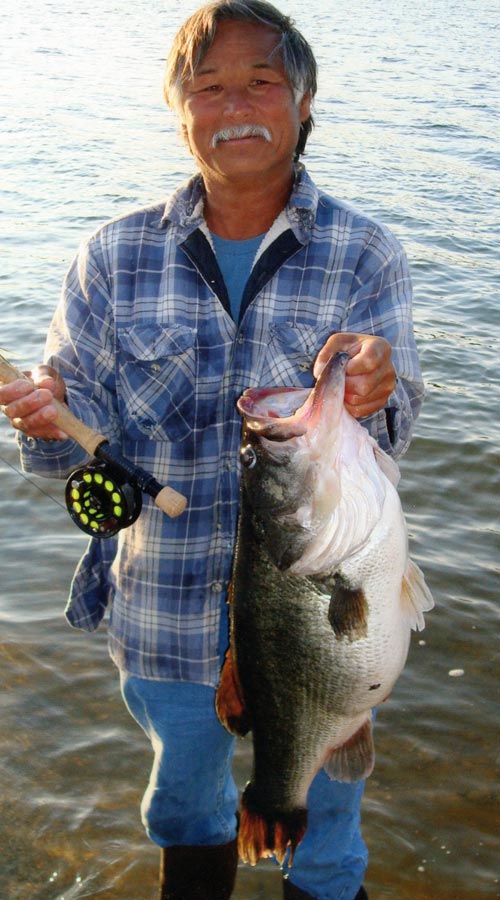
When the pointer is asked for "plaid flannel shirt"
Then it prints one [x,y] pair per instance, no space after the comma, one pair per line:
[151,357]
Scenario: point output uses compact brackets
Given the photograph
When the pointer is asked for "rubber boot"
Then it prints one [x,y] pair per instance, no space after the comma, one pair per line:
[198,873]
[292,892]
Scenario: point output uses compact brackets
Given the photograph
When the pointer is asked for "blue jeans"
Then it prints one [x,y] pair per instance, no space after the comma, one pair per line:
[191,798]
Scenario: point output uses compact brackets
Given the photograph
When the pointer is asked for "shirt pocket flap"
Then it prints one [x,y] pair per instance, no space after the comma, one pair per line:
[291,352]
[305,339]
[289,335]
[148,342]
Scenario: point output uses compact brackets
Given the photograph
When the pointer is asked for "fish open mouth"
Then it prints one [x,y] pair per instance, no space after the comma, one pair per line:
[283,413]
[275,413]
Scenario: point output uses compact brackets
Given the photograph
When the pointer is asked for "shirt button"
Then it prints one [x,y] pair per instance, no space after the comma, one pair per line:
[240,339]
[217,587]
[155,367]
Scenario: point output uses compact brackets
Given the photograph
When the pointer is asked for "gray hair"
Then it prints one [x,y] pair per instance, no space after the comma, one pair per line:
[196,36]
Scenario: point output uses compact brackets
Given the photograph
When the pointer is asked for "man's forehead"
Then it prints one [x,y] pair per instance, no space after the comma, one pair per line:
[260,42]
[206,67]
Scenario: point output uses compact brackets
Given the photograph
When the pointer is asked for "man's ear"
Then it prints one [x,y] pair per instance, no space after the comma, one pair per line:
[185,136]
[305,106]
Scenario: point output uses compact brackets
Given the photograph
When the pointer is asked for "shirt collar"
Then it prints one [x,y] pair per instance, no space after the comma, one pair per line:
[185,206]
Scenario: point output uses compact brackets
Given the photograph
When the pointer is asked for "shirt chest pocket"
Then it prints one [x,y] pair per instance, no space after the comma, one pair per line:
[291,352]
[164,394]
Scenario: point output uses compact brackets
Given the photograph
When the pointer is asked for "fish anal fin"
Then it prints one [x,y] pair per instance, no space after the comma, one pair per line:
[416,597]
[348,610]
[262,834]
[229,702]
[354,760]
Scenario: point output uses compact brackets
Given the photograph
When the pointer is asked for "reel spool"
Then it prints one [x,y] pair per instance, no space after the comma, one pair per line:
[101,501]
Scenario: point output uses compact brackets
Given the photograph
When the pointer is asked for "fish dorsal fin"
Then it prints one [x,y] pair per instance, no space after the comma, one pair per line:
[416,597]
[355,759]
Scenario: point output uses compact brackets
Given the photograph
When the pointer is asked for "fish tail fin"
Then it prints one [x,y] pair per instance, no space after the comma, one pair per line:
[355,759]
[229,702]
[415,596]
[261,835]
[288,833]
[252,834]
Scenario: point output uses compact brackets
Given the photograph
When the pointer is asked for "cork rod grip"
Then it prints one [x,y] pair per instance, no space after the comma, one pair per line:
[83,435]
[167,499]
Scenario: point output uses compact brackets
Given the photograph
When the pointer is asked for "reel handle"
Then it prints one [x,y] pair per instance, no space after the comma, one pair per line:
[166,498]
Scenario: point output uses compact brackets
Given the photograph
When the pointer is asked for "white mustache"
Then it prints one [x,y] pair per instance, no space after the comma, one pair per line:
[240,131]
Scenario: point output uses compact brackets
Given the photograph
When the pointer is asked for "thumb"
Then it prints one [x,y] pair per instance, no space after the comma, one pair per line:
[47,377]
[340,341]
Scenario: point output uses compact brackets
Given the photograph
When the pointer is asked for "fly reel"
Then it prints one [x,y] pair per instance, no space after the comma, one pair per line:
[101,501]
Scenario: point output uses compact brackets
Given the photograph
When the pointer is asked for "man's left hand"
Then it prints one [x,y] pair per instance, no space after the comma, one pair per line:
[370,374]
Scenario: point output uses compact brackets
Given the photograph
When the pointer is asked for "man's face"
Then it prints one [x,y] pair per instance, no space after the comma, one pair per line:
[241,82]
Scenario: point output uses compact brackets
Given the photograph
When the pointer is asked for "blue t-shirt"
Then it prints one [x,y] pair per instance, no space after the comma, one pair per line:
[235,260]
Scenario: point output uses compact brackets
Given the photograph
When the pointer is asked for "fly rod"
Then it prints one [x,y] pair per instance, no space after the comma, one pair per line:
[104,496]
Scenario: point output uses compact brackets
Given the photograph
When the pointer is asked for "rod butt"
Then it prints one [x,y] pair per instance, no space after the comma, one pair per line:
[170,502]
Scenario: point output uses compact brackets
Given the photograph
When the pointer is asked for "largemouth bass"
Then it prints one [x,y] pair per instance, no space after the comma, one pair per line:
[323,600]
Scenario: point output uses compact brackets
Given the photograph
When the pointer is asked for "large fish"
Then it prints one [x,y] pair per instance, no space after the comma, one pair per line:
[323,600]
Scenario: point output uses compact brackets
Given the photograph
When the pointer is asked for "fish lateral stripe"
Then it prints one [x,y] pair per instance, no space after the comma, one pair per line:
[262,834]
[348,611]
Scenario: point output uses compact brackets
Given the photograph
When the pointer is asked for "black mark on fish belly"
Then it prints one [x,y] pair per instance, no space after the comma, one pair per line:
[348,611]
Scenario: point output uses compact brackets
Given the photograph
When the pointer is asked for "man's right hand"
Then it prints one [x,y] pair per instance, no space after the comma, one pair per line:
[30,407]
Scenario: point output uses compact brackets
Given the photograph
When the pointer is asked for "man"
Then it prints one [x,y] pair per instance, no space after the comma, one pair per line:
[248,276]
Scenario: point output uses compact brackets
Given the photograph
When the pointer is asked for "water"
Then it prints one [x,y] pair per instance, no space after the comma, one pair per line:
[407,127]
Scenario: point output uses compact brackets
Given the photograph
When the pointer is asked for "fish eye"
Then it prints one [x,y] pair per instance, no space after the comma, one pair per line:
[248,456]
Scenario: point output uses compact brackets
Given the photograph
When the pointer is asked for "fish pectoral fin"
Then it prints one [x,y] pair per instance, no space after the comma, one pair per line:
[387,464]
[416,597]
[355,759]
[229,702]
[348,610]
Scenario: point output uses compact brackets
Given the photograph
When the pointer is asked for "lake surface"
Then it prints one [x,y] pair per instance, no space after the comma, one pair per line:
[408,129]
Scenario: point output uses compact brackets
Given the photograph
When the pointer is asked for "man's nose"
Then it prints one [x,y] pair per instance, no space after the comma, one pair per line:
[237,102]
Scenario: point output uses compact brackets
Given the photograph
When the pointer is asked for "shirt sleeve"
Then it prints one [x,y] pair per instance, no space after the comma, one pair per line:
[381,304]
[80,345]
